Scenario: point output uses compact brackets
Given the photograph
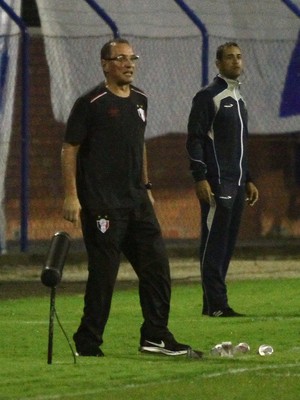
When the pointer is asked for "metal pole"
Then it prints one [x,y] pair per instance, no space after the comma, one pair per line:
[292,6]
[24,125]
[51,325]
[197,21]
[103,14]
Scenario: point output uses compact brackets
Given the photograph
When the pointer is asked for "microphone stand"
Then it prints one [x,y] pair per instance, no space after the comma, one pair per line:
[51,324]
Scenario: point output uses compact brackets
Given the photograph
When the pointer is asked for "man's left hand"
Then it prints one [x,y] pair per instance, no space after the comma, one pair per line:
[252,193]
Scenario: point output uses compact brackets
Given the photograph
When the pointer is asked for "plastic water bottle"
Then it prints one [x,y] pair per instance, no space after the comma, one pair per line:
[224,349]
[227,349]
[241,348]
[265,350]
[216,350]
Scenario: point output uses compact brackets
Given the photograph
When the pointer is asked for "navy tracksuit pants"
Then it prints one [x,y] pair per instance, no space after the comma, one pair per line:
[220,224]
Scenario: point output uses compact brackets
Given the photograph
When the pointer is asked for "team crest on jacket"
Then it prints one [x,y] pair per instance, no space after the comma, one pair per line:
[102,224]
[141,113]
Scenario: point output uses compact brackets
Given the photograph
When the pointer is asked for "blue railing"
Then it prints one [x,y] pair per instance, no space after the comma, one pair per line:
[103,14]
[24,126]
[292,6]
[205,47]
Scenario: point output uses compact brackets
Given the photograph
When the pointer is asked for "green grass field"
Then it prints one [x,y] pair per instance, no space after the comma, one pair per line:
[273,317]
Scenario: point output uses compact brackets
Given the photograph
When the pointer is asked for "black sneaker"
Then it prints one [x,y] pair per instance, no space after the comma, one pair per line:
[227,312]
[86,346]
[88,350]
[92,353]
[168,346]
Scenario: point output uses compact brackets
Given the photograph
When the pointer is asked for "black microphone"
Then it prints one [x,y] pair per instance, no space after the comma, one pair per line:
[52,271]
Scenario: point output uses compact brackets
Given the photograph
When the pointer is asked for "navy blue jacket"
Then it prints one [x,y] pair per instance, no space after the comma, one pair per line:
[217,134]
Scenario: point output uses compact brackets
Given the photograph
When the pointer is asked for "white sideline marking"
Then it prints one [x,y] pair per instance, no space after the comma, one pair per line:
[33,322]
[256,319]
[208,376]
[234,371]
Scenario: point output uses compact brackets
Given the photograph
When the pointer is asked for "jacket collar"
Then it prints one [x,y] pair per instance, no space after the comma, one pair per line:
[231,83]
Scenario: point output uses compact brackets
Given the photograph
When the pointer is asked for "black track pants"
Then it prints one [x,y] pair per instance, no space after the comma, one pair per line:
[137,234]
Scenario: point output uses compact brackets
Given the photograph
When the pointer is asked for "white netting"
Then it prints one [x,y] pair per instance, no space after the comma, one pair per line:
[170,73]
[9,42]
[170,47]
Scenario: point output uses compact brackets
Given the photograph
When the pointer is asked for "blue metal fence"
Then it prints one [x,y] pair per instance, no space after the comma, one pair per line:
[205,46]
[292,6]
[24,126]
[103,14]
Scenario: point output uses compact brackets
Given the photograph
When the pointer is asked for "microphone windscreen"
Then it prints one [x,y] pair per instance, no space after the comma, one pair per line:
[59,247]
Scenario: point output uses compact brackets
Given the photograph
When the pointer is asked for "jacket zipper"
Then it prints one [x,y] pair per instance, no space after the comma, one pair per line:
[242,130]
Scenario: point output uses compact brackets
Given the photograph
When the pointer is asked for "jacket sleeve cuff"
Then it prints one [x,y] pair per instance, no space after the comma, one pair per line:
[248,178]
[198,176]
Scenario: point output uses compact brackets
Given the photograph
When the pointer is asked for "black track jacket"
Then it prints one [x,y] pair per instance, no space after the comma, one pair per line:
[110,131]
[217,134]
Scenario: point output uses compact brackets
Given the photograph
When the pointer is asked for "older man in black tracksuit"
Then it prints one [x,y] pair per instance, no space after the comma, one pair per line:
[217,148]
[106,186]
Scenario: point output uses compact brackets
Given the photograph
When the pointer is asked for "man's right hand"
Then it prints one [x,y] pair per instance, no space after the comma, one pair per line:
[71,210]
[203,191]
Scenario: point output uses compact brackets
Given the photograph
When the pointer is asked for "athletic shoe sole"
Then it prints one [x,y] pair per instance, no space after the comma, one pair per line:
[226,314]
[83,354]
[160,350]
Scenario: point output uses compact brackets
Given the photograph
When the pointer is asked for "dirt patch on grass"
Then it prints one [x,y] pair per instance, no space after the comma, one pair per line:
[24,280]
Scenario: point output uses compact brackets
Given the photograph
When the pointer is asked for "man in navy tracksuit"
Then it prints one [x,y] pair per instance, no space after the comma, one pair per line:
[217,148]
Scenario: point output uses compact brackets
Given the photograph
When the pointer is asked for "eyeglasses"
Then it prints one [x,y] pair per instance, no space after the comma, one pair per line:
[122,58]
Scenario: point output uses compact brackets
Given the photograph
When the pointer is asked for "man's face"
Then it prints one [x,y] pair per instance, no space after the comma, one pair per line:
[119,71]
[231,65]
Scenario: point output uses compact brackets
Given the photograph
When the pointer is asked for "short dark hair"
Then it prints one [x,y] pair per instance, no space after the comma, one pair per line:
[222,47]
[106,49]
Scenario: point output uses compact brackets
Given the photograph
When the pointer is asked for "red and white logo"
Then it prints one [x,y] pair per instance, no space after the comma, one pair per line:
[141,113]
[102,224]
